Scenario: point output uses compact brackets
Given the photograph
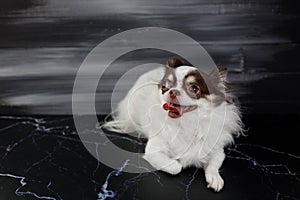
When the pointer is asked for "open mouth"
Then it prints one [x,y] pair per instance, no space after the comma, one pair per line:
[177,110]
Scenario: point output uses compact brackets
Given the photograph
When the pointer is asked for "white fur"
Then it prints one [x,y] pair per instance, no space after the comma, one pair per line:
[195,139]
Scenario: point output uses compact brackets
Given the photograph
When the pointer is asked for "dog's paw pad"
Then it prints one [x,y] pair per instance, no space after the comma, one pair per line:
[214,181]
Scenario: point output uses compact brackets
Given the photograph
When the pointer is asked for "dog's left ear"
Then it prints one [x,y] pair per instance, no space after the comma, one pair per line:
[174,63]
[220,72]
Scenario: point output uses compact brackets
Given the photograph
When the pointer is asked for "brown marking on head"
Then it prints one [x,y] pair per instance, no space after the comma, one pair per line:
[169,76]
[174,63]
[194,85]
[168,80]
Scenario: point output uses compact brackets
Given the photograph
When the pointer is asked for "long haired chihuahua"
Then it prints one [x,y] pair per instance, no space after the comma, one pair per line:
[187,115]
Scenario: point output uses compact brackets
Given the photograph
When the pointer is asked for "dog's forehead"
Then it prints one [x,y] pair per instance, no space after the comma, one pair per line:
[182,71]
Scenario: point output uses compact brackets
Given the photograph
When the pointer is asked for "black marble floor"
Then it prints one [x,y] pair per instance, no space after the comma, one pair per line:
[42,157]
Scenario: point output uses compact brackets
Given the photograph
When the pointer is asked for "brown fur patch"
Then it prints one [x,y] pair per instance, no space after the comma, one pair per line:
[168,72]
[174,62]
[199,80]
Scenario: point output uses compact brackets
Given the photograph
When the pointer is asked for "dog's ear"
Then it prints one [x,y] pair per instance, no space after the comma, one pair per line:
[174,63]
[223,71]
[220,72]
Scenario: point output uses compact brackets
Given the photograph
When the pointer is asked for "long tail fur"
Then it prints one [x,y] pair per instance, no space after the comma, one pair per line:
[116,125]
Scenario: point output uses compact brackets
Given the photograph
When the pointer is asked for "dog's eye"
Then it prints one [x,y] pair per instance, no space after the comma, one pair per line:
[194,89]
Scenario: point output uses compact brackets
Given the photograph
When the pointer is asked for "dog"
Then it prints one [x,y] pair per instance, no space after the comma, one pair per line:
[187,115]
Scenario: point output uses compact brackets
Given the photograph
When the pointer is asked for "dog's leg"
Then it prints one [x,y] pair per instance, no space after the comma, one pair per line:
[213,178]
[154,154]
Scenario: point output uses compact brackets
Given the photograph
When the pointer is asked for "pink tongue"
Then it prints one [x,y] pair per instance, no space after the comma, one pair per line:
[169,107]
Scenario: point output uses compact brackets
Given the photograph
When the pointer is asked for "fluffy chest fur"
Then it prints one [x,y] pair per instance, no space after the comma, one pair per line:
[192,138]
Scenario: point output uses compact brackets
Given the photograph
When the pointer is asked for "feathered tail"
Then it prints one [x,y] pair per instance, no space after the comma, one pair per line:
[116,124]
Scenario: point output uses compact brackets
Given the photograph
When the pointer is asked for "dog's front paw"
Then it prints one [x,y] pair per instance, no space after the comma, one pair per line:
[164,164]
[173,168]
[214,181]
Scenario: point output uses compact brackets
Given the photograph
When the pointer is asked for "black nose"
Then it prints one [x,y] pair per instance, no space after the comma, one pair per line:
[173,93]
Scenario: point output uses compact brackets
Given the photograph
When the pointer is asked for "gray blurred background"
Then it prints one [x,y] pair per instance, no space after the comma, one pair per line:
[43,43]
